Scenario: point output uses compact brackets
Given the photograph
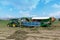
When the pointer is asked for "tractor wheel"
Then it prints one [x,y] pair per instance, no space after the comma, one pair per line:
[8,25]
[14,25]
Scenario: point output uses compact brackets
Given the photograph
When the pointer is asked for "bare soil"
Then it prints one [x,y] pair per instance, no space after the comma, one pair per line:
[36,35]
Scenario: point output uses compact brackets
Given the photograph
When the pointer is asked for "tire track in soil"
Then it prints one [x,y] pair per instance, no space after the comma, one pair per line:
[33,35]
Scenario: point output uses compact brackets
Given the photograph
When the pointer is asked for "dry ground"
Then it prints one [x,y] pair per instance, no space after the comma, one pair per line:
[7,33]
[36,35]
[28,34]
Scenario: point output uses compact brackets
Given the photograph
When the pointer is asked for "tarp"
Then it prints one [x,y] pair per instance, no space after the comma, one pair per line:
[40,17]
[31,23]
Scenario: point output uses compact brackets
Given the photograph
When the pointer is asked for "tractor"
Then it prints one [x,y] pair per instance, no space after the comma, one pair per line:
[13,23]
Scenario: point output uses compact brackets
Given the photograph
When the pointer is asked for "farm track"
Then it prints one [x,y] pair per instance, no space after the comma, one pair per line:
[44,35]
[5,32]
[19,34]
[34,35]
[4,35]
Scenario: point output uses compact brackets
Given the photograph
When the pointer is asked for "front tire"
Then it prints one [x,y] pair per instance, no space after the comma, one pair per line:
[14,25]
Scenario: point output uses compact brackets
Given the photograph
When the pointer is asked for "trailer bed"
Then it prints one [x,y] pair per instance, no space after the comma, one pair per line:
[31,24]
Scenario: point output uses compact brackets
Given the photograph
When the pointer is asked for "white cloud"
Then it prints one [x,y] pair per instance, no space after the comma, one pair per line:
[55,14]
[34,4]
[47,1]
[4,3]
[56,6]
[24,13]
[11,9]
[9,16]
[33,15]
[27,14]
[26,4]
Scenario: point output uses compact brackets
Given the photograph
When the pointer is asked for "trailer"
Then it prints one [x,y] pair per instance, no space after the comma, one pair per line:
[37,21]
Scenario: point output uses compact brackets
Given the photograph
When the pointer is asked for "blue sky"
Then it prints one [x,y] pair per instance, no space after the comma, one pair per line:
[29,8]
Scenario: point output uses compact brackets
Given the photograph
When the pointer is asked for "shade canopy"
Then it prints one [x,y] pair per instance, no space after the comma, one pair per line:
[40,17]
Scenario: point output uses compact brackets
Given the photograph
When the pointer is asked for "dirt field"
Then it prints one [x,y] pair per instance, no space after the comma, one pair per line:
[18,34]
[36,35]
[8,33]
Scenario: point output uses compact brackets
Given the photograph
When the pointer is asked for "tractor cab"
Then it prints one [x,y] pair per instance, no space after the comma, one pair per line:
[14,23]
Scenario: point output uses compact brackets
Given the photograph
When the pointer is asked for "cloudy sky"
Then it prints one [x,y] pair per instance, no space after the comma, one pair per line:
[29,8]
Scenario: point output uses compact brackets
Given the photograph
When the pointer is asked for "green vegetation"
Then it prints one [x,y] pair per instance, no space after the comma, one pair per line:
[3,23]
